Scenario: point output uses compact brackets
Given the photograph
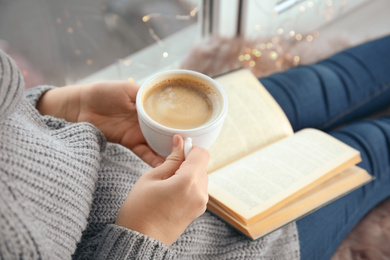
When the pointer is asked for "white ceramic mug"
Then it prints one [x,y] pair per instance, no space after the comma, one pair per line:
[159,136]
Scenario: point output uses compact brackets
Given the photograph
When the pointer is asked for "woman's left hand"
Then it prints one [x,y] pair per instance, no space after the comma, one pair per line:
[110,106]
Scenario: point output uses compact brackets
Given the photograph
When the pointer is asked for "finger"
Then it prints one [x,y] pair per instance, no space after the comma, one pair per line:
[196,162]
[147,155]
[131,88]
[174,160]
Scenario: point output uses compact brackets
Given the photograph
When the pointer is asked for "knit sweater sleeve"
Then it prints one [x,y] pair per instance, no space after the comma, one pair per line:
[116,242]
[34,94]
[11,86]
[120,169]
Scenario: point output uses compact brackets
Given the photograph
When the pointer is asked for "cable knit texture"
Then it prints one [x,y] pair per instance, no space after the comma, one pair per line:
[62,185]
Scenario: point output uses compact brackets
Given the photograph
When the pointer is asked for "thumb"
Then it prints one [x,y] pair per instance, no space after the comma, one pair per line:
[173,161]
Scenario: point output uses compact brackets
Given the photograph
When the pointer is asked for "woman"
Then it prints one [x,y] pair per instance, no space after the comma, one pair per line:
[73,184]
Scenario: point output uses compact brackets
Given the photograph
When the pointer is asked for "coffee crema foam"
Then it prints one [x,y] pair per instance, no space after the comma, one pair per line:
[180,103]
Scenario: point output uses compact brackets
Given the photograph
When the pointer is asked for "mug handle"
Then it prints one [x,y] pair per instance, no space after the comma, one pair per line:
[187,146]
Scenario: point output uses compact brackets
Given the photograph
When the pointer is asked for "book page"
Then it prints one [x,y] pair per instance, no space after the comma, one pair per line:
[254,119]
[330,190]
[256,182]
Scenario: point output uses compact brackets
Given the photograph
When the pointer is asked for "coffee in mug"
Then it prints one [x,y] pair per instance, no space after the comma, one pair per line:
[182,102]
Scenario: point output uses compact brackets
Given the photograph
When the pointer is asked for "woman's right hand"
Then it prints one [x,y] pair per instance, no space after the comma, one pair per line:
[168,198]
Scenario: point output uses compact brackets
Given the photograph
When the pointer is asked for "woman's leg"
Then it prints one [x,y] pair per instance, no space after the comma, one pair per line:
[346,86]
[321,232]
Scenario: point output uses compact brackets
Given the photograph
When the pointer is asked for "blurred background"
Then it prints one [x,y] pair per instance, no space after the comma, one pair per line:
[68,40]
[64,42]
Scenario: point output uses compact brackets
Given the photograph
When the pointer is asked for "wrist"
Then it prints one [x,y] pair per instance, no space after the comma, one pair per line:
[63,102]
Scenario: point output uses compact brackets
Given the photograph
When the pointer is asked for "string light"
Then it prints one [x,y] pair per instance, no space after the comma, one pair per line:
[194,12]
[275,50]
[126,62]
[309,38]
[146,18]
[256,52]
[273,55]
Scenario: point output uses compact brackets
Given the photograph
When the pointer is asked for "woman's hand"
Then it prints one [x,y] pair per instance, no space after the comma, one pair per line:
[168,198]
[110,106]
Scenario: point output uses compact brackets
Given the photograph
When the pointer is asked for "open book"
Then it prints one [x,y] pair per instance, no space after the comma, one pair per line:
[262,175]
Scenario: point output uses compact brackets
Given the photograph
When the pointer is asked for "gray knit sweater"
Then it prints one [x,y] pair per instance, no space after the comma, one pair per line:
[62,184]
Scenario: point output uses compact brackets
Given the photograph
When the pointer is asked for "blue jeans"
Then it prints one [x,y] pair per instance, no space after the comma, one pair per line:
[334,95]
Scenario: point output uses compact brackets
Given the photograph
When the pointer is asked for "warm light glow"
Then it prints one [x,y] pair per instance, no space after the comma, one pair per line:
[310,4]
[257,27]
[256,52]
[247,57]
[291,33]
[298,37]
[126,62]
[77,52]
[70,30]
[130,80]
[252,63]
[296,60]
[193,12]
[89,62]
[309,38]
[146,18]
[329,3]
[302,9]
[273,55]
[165,54]
[59,20]
[279,31]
